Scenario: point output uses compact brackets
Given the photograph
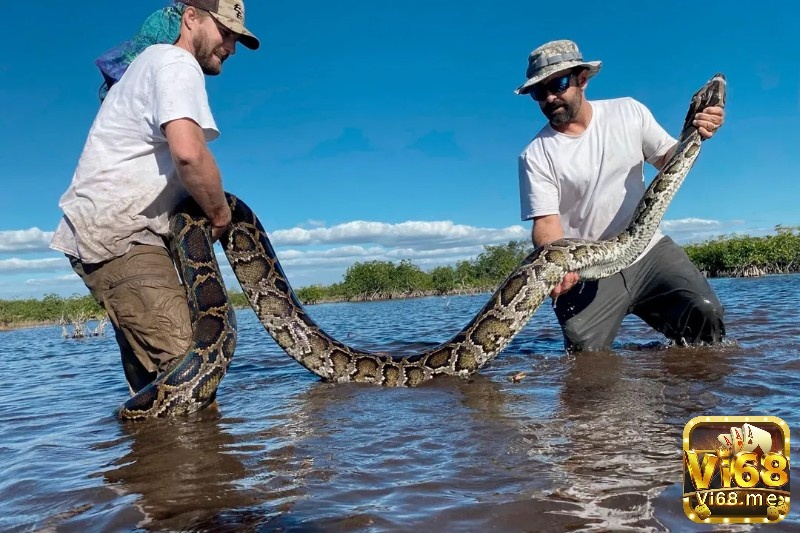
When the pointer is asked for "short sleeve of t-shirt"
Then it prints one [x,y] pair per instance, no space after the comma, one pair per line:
[179,91]
[539,193]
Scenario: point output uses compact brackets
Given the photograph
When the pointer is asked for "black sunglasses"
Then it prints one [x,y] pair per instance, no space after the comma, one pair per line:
[540,91]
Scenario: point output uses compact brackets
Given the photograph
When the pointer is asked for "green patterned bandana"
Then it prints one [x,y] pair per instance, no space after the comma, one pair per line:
[162,27]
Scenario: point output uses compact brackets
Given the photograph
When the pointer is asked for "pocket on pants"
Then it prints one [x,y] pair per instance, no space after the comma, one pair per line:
[153,314]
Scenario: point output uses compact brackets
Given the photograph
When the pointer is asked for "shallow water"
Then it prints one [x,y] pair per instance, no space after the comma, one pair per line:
[285,452]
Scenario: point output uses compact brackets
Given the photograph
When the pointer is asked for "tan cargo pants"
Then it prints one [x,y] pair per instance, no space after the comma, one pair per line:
[146,303]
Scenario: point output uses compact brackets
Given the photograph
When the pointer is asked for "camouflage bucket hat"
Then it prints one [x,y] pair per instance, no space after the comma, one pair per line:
[553,57]
[229,13]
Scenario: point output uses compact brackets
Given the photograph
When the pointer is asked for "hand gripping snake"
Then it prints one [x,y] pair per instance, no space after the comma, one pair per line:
[192,384]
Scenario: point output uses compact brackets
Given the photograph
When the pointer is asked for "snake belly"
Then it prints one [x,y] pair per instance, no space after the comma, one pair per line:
[193,383]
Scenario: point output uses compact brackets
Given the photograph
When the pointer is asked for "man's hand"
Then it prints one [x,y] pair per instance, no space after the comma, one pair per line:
[220,224]
[709,121]
[566,284]
[546,229]
[217,232]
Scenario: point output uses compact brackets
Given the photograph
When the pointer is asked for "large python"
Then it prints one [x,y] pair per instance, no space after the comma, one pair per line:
[193,383]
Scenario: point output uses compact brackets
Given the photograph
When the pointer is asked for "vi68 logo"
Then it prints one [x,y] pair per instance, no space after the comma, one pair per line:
[736,469]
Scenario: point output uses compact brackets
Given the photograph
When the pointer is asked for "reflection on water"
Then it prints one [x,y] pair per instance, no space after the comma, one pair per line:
[205,469]
[583,442]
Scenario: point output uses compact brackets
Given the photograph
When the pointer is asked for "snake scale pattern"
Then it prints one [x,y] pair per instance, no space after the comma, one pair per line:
[192,384]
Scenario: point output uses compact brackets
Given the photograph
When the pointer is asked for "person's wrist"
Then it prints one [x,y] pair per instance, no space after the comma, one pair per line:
[221,221]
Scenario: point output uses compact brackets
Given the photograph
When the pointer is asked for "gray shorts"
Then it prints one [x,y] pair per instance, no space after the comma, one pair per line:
[663,288]
[146,303]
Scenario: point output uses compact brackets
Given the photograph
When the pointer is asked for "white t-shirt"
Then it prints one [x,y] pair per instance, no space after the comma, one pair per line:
[594,180]
[125,185]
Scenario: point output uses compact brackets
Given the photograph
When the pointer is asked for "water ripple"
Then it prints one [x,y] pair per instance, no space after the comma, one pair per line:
[284,451]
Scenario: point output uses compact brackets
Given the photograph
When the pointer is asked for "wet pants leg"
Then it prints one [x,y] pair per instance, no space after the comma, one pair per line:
[663,288]
[146,303]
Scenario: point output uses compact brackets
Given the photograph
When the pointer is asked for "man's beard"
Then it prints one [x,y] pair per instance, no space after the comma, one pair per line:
[210,63]
[561,112]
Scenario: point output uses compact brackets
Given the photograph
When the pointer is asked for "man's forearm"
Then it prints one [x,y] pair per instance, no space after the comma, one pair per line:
[201,177]
[546,230]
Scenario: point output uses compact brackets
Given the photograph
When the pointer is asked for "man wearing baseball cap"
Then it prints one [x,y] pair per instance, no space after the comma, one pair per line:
[145,152]
[231,15]
[582,176]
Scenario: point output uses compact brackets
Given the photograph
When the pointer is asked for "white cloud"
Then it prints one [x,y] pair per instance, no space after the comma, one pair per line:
[15,265]
[691,224]
[25,240]
[322,255]
[314,223]
[47,282]
[419,234]
[326,266]
[691,230]
[347,255]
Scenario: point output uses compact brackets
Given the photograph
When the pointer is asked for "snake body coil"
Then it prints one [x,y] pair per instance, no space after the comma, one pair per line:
[192,384]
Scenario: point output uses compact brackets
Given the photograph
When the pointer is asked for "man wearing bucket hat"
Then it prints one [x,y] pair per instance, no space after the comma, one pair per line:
[582,176]
[146,151]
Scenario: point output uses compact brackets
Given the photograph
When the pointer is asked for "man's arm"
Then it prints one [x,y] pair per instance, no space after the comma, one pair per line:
[664,158]
[198,171]
[547,229]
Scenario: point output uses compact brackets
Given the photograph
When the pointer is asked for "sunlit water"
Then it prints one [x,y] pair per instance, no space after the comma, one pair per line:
[582,442]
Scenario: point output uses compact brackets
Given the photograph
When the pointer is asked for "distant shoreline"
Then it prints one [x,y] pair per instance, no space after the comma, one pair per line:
[380,297]
[26,324]
[751,271]
[372,281]
[238,298]
[744,272]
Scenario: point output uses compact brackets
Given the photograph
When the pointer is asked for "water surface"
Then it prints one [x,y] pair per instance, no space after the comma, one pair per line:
[286,452]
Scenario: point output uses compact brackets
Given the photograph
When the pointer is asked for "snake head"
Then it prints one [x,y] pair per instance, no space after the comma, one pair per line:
[712,94]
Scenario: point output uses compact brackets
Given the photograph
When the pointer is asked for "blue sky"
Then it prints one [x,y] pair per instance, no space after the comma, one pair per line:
[371,130]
